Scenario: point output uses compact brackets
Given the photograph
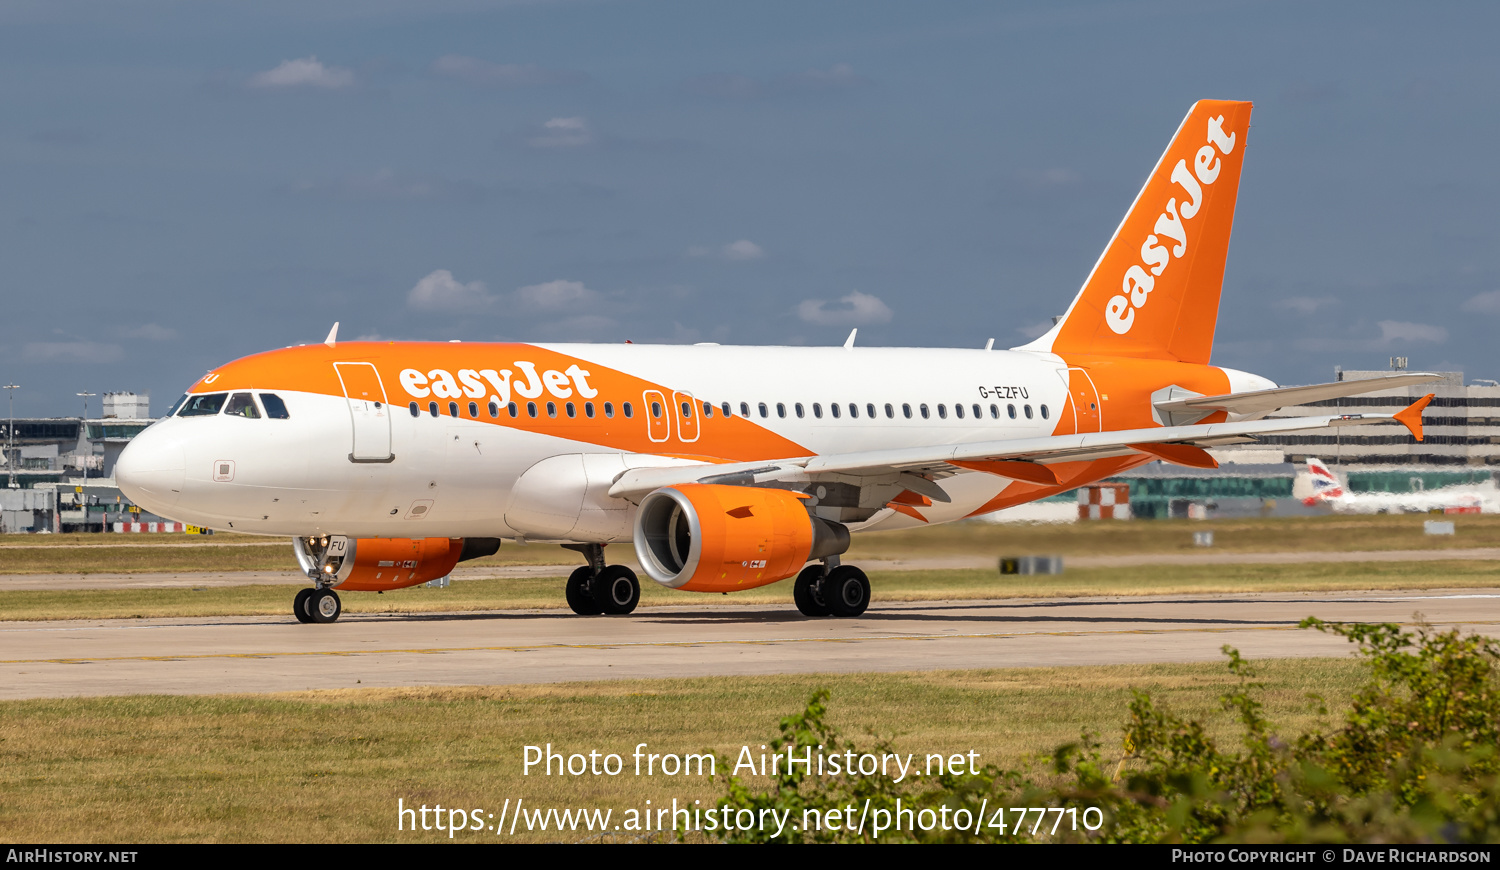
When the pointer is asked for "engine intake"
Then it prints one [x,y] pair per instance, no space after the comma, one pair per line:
[718,538]
[378,564]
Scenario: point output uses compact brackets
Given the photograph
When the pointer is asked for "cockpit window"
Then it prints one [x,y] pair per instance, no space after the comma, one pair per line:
[241,405]
[276,409]
[175,405]
[204,405]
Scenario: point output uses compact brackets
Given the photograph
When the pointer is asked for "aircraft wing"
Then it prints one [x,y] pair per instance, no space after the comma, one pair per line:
[1261,401]
[1023,459]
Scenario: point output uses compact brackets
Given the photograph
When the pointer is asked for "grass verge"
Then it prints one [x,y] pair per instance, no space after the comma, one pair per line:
[330,766]
[547,593]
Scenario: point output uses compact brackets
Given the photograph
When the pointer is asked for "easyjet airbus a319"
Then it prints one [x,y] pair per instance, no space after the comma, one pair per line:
[727,468]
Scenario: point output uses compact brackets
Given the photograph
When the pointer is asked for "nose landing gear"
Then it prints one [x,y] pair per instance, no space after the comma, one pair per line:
[598,588]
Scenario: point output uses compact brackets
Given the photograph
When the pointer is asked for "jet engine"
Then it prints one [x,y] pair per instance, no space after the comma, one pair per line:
[719,538]
[378,564]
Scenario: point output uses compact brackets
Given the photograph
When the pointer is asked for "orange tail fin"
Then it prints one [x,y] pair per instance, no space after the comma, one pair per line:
[1411,415]
[1154,293]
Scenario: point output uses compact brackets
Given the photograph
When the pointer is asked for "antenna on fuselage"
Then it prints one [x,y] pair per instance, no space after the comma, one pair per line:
[333,335]
[849,342]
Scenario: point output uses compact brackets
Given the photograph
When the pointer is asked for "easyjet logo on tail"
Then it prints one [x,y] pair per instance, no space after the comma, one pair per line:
[1170,239]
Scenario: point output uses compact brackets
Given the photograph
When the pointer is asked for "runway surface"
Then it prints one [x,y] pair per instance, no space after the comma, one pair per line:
[255,654]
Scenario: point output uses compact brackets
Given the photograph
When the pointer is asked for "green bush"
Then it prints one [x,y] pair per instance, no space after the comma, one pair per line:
[1414,760]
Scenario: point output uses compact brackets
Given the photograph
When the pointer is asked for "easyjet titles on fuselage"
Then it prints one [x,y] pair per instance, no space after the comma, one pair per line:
[476,383]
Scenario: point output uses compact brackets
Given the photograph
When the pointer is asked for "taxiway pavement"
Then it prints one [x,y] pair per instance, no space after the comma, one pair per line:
[270,654]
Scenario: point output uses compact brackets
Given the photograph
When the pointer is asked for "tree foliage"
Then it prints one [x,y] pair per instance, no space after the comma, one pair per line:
[1413,759]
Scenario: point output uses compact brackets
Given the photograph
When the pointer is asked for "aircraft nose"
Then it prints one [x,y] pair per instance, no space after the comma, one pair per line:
[151,470]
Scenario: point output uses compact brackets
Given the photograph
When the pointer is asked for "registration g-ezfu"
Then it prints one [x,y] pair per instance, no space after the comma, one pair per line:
[1003,393]
[725,468]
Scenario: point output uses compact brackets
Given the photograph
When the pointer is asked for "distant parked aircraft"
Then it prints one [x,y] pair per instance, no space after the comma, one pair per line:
[1463,499]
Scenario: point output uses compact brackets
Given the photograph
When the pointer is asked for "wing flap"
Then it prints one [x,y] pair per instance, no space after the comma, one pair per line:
[1263,401]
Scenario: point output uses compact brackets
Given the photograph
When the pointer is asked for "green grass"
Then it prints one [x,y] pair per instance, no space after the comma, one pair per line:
[547,593]
[330,766]
[92,554]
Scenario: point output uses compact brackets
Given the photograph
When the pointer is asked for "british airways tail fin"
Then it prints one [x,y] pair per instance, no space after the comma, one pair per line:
[1325,487]
[1154,293]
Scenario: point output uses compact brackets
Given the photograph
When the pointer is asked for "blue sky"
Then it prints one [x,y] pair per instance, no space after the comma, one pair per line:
[185,183]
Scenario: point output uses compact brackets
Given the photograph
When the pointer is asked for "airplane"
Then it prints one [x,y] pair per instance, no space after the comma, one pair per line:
[1326,489]
[727,468]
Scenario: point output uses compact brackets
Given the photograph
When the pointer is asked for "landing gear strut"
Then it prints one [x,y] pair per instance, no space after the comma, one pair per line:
[831,589]
[598,588]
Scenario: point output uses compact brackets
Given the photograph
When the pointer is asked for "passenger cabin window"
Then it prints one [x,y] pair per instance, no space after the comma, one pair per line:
[764,412]
[978,412]
[551,409]
[744,409]
[942,412]
[1027,408]
[726,410]
[452,409]
[531,409]
[781,410]
[817,410]
[242,405]
[906,410]
[275,408]
[870,410]
[833,408]
[415,411]
[588,410]
[494,410]
[1044,412]
[570,409]
[432,408]
[627,410]
[994,412]
[687,410]
[925,413]
[853,411]
[474,410]
[205,405]
[890,413]
[958,411]
[514,411]
[609,409]
[798,408]
[656,410]
[708,410]
[1011,410]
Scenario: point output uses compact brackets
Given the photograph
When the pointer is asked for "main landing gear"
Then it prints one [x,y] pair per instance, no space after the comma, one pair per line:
[598,588]
[831,589]
[317,605]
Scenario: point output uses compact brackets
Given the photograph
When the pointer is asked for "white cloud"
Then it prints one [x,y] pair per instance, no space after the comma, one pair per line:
[744,249]
[308,72]
[1306,304]
[555,294]
[1035,330]
[856,309]
[151,332]
[439,291]
[1396,330]
[72,351]
[563,133]
[474,71]
[1484,303]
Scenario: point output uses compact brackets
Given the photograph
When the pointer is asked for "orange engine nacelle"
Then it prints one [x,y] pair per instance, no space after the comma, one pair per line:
[718,538]
[378,564]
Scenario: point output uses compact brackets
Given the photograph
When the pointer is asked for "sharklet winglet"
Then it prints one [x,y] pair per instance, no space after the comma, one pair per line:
[333,335]
[1411,416]
[849,342]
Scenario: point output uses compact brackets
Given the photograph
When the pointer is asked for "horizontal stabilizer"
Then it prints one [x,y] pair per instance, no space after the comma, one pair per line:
[1262,401]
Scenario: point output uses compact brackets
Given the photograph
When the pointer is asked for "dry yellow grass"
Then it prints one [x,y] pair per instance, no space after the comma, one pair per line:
[330,766]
